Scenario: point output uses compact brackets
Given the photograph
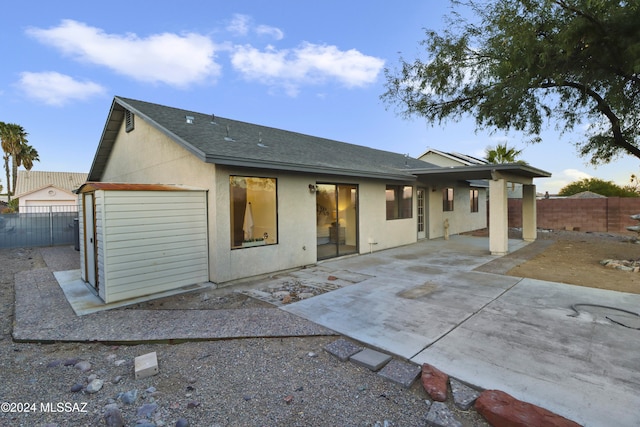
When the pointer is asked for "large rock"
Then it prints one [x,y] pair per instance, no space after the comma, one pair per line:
[434,382]
[113,417]
[504,410]
[94,386]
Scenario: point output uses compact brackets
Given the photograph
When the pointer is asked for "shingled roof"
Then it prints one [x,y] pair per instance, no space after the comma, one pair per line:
[219,140]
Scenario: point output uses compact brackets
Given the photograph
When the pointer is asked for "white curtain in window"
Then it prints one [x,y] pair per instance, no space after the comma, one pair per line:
[247,226]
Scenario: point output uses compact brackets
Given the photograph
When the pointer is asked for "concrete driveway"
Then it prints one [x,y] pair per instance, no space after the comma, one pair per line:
[427,303]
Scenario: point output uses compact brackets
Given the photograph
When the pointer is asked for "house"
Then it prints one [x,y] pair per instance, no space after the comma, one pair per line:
[40,191]
[256,200]
[478,188]
[444,159]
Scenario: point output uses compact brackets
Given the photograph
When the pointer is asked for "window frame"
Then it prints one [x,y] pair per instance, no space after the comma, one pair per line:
[401,206]
[448,196]
[474,199]
[244,244]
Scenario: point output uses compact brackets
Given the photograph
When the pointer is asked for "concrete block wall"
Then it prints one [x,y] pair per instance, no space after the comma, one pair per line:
[611,214]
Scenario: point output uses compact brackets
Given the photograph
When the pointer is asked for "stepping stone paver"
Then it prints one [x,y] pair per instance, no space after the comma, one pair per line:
[371,359]
[342,349]
[440,415]
[463,395]
[403,373]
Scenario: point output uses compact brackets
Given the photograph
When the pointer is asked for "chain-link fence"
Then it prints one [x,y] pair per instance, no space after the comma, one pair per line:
[39,226]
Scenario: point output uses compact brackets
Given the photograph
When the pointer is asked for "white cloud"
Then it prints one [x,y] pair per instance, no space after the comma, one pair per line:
[243,25]
[575,174]
[181,60]
[307,64]
[273,32]
[239,25]
[57,89]
[176,60]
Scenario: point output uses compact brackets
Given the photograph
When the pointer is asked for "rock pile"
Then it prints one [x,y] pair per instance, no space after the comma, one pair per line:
[622,264]
[289,291]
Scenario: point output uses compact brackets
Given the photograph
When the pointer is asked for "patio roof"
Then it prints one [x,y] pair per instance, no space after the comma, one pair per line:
[510,171]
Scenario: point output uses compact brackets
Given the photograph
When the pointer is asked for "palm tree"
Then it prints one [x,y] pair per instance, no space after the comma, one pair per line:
[20,139]
[13,137]
[502,154]
[5,140]
[27,156]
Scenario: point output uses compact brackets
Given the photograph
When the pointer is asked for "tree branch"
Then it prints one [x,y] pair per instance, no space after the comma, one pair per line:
[605,109]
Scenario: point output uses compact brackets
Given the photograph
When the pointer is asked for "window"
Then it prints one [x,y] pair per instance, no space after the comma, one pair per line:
[254,219]
[447,199]
[399,201]
[473,198]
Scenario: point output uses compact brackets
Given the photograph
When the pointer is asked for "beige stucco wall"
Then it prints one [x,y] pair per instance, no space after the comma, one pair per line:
[297,237]
[296,229]
[377,232]
[437,159]
[461,219]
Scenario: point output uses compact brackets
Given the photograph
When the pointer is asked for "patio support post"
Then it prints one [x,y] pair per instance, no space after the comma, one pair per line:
[498,216]
[529,218]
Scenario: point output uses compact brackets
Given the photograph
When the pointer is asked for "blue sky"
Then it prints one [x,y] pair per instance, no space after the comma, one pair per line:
[309,67]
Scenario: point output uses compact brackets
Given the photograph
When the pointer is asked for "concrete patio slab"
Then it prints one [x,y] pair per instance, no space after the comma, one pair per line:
[406,312]
[425,304]
[526,344]
[84,302]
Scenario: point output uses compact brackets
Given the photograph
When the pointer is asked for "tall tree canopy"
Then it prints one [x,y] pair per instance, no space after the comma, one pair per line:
[599,186]
[520,63]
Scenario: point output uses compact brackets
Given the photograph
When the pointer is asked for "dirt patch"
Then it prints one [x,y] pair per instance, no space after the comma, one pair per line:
[575,258]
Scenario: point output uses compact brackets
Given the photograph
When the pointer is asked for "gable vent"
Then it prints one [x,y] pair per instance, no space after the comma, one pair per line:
[129,121]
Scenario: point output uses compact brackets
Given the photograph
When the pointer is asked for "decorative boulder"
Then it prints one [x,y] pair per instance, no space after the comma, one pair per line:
[504,410]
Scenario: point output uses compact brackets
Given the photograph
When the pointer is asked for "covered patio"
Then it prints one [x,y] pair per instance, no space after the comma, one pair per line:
[498,175]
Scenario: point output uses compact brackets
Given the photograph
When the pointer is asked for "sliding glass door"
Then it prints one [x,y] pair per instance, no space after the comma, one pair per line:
[336,220]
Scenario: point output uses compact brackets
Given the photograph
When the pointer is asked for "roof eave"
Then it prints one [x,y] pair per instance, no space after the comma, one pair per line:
[316,169]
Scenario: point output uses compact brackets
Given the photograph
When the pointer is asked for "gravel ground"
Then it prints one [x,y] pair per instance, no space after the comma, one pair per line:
[245,382]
